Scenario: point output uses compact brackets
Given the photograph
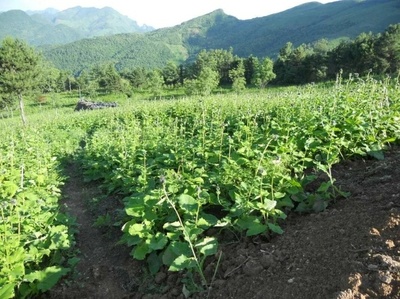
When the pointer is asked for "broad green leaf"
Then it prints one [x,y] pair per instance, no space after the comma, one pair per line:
[46,278]
[59,237]
[17,256]
[130,240]
[198,180]
[8,189]
[141,250]
[390,140]
[269,205]
[174,235]
[204,195]
[52,276]
[186,292]
[137,229]
[188,203]
[154,261]
[149,214]
[256,229]
[40,179]
[192,231]
[180,248]
[278,195]
[135,208]
[31,196]
[324,187]
[208,246]
[18,270]
[242,161]
[172,225]
[158,241]
[280,214]
[285,202]
[275,228]
[7,291]
[247,222]
[182,262]
[168,256]
[302,207]
[206,220]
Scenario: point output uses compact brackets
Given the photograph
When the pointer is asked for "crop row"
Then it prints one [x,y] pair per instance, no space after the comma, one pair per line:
[188,169]
[192,166]
[35,236]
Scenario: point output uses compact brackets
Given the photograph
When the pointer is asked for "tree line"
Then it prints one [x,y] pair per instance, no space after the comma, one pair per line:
[378,54]
[24,71]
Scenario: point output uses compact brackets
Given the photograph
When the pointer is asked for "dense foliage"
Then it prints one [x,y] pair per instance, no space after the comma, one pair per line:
[19,71]
[189,169]
[368,53]
[36,238]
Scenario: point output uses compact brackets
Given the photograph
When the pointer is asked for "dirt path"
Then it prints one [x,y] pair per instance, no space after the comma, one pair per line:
[105,269]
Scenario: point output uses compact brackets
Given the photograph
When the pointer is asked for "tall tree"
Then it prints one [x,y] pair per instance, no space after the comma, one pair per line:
[218,60]
[251,65]
[88,85]
[264,73]
[50,75]
[281,64]
[238,78]
[20,70]
[155,82]
[204,84]
[107,77]
[171,73]
[388,49]
[136,77]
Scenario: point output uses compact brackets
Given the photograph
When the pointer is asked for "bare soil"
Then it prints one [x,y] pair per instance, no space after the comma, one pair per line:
[351,250]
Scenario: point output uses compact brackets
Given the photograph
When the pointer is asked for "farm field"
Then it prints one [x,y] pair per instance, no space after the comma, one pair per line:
[284,193]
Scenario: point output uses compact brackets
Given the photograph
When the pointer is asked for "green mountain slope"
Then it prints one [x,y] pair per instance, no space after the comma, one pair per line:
[96,22]
[261,37]
[302,24]
[52,27]
[125,50]
[35,31]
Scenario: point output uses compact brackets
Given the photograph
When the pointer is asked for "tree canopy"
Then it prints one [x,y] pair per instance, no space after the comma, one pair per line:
[20,71]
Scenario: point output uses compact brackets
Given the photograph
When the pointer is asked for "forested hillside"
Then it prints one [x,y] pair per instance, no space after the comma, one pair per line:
[261,37]
[123,50]
[51,27]
[305,23]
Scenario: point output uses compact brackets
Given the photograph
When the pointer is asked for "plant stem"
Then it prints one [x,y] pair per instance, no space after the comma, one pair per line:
[187,237]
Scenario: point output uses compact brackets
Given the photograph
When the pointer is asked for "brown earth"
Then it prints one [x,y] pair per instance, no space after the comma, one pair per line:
[351,250]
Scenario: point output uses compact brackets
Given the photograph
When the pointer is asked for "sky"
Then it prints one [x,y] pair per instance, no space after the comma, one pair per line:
[165,13]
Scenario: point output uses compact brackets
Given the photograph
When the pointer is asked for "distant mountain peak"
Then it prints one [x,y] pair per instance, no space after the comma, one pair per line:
[48,11]
[51,26]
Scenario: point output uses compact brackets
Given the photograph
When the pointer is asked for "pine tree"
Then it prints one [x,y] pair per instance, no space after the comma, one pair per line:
[20,71]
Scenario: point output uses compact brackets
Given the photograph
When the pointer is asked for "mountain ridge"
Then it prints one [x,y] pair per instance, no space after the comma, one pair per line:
[49,26]
[260,37]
